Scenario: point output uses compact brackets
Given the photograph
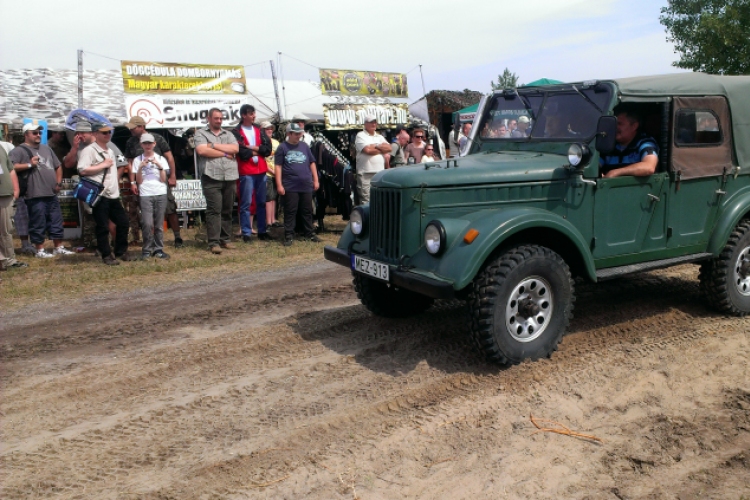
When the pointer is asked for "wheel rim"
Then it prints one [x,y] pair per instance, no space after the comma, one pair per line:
[742,272]
[529,309]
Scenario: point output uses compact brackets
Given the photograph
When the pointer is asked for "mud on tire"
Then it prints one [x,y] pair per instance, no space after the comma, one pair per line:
[725,280]
[520,305]
[384,299]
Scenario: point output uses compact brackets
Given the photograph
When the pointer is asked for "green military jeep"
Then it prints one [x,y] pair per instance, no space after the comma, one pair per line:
[510,224]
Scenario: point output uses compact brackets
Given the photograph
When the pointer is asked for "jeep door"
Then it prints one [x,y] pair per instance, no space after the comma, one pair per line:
[629,215]
[700,168]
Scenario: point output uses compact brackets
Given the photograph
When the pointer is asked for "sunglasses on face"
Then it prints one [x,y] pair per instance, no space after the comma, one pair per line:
[108,132]
[35,132]
[419,136]
[429,149]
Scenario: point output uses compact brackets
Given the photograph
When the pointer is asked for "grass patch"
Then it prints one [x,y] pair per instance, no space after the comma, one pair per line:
[80,275]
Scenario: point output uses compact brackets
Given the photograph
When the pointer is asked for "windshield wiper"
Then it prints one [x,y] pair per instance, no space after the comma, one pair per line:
[527,105]
[588,99]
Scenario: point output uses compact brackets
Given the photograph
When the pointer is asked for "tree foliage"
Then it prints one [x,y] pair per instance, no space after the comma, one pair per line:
[712,36]
[507,80]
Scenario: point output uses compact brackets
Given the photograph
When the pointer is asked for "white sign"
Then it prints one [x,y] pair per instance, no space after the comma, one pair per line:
[182,111]
[189,196]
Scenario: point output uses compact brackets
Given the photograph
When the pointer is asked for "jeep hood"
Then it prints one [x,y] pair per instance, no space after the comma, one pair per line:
[492,167]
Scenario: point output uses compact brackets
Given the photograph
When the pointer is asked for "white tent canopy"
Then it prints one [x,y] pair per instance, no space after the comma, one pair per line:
[49,94]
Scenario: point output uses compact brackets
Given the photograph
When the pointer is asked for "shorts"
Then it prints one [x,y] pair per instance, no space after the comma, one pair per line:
[271,193]
[171,203]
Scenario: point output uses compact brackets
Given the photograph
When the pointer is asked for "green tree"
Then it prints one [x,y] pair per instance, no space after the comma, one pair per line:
[712,36]
[507,80]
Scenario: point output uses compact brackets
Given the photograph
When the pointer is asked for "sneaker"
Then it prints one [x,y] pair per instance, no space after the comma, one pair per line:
[160,254]
[265,237]
[288,242]
[145,255]
[228,246]
[126,257]
[43,255]
[216,249]
[28,250]
[314,238]
[247,239]
[61,250]
[110,260]
[178,243]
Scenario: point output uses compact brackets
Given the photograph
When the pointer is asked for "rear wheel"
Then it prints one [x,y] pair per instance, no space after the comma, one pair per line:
[384,299]
[725,280]
[521,304]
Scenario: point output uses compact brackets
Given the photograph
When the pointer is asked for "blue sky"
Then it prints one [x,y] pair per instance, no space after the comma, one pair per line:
[460,44]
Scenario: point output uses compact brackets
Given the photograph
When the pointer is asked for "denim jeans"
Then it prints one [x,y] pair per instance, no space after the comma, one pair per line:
[153,209]
[250,184]
[45,217]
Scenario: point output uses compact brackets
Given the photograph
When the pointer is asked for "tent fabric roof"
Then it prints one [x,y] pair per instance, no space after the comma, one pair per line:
[542,81]
[735,88]
[50,94]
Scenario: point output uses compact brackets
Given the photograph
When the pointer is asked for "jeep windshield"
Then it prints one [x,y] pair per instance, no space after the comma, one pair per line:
[566,113]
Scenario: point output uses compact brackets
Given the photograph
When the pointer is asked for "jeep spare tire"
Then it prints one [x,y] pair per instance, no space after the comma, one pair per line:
[520,305]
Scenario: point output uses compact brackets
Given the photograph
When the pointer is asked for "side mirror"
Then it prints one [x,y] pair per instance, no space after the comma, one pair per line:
[606,130]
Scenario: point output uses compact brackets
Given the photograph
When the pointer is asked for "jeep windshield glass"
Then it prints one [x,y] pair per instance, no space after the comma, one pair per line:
[565,114]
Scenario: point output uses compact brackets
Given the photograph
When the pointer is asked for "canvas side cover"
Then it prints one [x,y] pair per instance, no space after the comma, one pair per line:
[699,150]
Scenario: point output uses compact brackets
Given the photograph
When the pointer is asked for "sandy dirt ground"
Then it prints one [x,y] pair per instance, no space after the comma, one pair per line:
[281,385]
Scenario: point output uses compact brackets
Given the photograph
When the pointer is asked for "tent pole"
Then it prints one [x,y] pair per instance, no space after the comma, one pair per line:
[283,88]
[276,90]
[80,79]
[424,92]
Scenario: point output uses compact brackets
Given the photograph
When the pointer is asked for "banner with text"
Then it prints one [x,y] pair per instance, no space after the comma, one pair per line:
[140,77]
[369,83]
[180,111]
[352,116]
[189,195]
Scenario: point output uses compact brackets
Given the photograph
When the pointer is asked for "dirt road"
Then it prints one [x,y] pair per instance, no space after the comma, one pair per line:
[281,385]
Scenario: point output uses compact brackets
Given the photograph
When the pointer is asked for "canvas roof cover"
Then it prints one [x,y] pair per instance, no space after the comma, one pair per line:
[735,88]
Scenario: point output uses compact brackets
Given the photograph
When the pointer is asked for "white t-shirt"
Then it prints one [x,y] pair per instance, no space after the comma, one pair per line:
[250,134]
[152,184]
[367,164]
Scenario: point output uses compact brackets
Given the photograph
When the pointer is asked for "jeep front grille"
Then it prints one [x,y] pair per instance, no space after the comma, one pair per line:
[385,224]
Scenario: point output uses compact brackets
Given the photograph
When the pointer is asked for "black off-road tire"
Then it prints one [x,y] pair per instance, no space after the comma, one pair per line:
[384,299]
[718,277]
[497,334]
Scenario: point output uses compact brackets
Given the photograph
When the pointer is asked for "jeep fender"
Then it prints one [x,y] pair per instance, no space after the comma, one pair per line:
[735,208]
[461,261]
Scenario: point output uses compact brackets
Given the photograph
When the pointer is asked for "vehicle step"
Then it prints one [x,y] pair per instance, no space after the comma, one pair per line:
[616,272]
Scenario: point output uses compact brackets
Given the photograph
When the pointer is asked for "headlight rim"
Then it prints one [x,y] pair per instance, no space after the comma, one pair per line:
[441,232]
[582,152]
[363,220]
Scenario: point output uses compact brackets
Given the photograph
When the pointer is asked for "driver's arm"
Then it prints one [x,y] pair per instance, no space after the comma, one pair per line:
[645,167]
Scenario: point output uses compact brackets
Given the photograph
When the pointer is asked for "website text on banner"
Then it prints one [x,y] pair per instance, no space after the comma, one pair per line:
[352,116]
[367,83]
[140,77]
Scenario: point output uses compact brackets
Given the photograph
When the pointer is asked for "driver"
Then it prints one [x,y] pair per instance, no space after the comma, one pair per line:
[635,152]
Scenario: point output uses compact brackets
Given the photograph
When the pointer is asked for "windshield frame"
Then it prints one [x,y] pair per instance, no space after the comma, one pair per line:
[545,92]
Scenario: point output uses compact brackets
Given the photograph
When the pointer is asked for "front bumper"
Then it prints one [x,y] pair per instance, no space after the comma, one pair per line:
[402,279]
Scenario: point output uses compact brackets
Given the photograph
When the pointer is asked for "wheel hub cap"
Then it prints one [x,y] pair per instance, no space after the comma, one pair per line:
[529,309]
[742,272]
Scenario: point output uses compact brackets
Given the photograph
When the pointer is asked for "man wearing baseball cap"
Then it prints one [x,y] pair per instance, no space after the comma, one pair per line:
[372,150]
[98,162]
[301,119]
[133,149]
[42,169]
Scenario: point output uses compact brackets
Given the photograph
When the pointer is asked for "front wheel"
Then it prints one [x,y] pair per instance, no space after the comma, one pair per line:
[725,280]
[384,299]
[520,305]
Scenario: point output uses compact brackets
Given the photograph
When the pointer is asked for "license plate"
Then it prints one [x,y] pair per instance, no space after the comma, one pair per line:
[377,270]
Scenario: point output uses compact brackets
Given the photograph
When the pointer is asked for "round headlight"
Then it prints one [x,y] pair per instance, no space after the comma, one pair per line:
[575,155]
[356,221]
[578,155]
[434,238]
